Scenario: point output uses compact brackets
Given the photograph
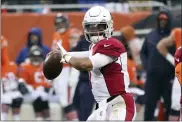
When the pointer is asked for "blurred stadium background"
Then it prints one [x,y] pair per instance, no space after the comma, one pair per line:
[19,16]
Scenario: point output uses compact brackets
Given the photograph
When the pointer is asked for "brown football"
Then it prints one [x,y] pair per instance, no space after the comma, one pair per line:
[52,66]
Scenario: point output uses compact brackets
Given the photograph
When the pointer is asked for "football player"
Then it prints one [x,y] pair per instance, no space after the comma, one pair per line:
[10,96]
[4,55]
[173,39]
[178,71]
[62,31]
[61,83]
[106,62]
[31,74]
[74,37]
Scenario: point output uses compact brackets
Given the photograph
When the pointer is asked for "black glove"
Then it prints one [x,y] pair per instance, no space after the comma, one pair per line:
[47,90]
[22,88]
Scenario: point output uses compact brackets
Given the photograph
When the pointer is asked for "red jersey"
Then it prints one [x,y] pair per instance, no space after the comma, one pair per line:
[112,79]
[178,64]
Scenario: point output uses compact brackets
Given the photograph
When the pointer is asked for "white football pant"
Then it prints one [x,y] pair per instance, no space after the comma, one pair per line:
[116,109]
[176,95]
[60,85]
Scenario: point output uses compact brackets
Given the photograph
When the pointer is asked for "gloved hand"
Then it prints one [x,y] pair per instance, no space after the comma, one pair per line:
[65,57]
[22,88]
[47,90]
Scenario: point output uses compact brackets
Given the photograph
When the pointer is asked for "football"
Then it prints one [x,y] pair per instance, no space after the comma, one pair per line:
[52,66]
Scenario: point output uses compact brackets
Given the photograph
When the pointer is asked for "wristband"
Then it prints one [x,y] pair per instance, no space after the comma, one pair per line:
[67,58]
[170,58]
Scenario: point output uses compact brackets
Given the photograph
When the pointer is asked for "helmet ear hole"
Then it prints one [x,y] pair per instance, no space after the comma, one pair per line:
[107,26]
[87,37]
[104,35]
[111,33]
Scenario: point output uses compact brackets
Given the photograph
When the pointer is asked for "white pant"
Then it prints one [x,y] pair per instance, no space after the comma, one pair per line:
[34,94]
[7,97]
[120,108]
[176,95]
[60,85]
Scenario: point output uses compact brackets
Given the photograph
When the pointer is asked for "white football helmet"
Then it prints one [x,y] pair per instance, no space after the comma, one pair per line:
[97,24]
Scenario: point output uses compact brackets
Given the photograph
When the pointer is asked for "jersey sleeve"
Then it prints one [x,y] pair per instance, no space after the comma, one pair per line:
[13,68]
[110,47]
[4,52]
[56,38]
[101,60]
[81,54]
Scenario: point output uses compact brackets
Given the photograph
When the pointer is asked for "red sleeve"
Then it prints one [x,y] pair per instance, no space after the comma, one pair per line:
[178,56]
[110,47]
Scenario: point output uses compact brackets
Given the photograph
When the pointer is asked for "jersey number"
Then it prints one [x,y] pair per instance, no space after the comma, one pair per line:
[38,77]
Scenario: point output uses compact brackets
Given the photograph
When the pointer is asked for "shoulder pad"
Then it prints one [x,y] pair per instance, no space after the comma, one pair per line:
[110,47]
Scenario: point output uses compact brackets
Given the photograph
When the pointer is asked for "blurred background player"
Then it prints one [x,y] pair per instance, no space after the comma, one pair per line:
[178,61]
[38,86]
[178,73]
[159,71]
[75,37]
[173,39]
[136,84]
[4,64]
[4,55]
[62,31]
[34,37]
[62,36]
[127,34]
[10,95]
[83,99]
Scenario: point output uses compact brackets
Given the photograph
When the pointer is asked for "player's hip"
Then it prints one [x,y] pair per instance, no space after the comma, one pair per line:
[126,100]
[119,107]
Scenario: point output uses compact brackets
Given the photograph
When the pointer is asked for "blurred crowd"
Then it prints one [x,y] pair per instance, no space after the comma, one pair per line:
[151,75]
[122,6]
[68,1]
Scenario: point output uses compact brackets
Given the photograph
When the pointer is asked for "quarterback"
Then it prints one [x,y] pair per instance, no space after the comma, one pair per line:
[106,62]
